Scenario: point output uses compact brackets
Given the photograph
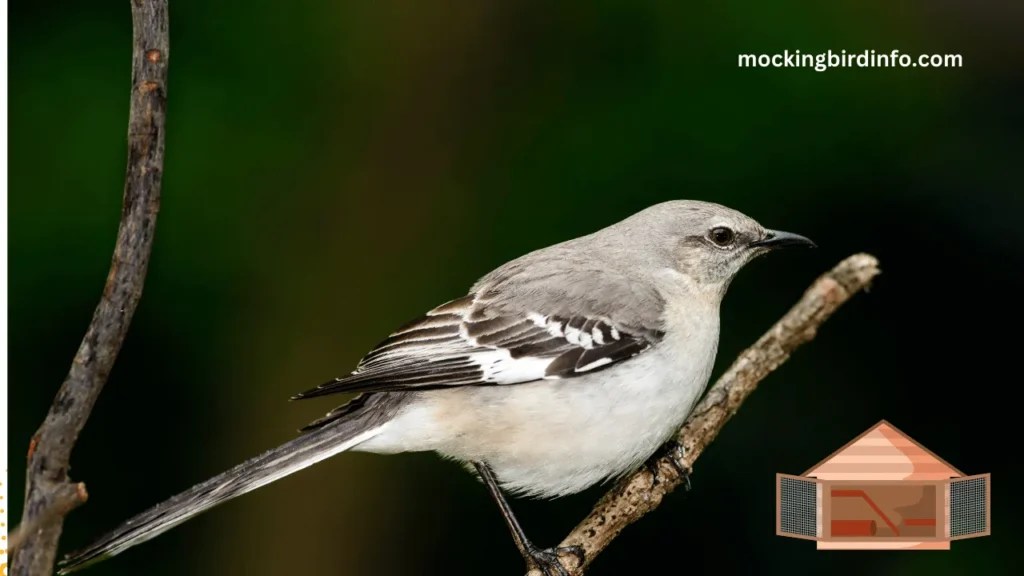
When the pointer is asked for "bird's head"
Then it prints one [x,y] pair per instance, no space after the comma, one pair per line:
[707,244]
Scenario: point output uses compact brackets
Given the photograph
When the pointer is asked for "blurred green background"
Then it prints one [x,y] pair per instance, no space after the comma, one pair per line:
[334,169]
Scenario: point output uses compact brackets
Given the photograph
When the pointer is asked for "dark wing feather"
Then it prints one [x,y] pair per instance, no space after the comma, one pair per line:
[467,343]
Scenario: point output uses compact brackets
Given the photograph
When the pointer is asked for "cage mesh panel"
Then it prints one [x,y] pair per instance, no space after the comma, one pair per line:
[799,506]
[967,507]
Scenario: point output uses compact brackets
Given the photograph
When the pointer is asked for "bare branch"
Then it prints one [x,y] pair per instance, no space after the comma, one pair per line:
[49,493]
[639,493]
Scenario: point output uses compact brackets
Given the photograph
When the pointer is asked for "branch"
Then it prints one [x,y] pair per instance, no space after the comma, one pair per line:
[50,495]
[640,493]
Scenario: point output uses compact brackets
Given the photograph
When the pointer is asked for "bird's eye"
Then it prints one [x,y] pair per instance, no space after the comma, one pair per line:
[722,236]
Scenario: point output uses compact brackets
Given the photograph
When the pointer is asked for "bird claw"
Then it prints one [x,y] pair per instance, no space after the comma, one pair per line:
[676,458]
[547,559]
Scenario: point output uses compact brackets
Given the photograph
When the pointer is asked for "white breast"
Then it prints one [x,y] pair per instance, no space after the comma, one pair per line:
[556,437]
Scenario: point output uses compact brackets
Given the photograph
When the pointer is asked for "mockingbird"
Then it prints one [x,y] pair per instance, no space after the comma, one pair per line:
[563,368]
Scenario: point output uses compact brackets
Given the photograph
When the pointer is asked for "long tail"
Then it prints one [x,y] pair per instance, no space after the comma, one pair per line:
[286,459]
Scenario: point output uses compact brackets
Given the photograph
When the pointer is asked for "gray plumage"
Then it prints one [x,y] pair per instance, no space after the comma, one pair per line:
[560,369]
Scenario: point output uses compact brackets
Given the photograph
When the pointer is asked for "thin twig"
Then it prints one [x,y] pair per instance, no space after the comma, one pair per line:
[49,490]
[639,493]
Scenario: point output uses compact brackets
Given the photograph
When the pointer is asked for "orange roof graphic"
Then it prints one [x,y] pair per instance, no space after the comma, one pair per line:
[883,453]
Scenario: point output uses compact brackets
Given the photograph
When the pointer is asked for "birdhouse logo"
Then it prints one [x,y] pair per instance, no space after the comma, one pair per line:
[883,491]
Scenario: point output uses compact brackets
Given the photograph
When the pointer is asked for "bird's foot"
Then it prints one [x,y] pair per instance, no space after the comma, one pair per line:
[546,559]
[676,455]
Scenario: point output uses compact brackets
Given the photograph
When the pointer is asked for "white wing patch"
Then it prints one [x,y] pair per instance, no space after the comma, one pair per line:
[585,339]
[541,321]
[504,369]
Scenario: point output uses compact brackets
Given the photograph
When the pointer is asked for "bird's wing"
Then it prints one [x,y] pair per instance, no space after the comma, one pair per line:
[475,341]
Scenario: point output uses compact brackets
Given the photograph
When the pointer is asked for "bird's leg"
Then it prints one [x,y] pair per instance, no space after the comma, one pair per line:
[544,559]
[676,457]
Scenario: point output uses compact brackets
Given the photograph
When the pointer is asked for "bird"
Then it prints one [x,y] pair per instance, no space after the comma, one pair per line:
[561,369]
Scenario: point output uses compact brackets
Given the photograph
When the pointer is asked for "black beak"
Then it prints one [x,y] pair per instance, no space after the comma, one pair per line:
[776,239]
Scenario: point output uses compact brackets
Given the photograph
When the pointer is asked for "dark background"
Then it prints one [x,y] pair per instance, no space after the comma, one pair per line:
[334,169]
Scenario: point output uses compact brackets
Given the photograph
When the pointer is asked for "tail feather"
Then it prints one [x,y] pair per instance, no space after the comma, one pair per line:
[272,465]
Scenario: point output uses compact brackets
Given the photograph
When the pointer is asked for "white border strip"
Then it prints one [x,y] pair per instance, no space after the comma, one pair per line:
[3,289]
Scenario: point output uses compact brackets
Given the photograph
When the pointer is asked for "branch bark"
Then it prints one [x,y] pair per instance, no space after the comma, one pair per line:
[642,492]
[66,497]
[49,494]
